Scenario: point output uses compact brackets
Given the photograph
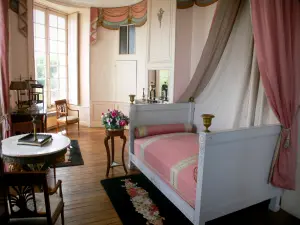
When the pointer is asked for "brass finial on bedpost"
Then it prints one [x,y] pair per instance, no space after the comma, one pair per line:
[207,118]
[131,98]
[191,99]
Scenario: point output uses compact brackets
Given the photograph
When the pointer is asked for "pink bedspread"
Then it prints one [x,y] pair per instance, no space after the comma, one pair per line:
[173,157]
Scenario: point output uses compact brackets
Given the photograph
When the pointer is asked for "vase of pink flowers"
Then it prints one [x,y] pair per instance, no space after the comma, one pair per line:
[114,119]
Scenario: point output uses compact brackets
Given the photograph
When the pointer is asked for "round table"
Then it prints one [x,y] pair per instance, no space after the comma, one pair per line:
[24,155]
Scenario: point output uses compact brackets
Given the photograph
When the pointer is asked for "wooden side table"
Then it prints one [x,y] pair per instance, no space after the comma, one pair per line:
[111,134]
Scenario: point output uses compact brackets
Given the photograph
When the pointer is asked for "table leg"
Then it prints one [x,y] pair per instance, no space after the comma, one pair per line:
[54,173]
[108,154]
[123,137]
[112,149]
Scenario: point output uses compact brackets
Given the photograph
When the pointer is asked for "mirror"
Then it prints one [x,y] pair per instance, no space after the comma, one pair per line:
[158,85]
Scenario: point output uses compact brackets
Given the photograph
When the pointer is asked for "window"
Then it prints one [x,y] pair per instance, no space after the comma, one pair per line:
[127,39]
[50,51]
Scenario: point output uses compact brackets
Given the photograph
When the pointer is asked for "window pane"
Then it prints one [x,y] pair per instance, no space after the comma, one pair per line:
[63,84]
[53,72]
[54,84]
[123,40]
[40,58]
[53,59]
[54,96]
[62,72]
[52,33]
[61,23]
[41,81]
[39,30]
[62,94]
[131,47]
[62,59]
[61,47]
[39,16]
[41,72]
[53,46]
[52,20]
[39,45]
[61,35]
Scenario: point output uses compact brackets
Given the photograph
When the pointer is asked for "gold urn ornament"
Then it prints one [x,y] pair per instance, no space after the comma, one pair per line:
[207,118]
[131,98]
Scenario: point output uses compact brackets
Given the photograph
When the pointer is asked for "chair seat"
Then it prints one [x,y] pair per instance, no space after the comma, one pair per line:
[56,204]
[70,119]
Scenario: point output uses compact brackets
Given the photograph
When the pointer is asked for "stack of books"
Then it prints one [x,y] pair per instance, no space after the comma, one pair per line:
[30,140]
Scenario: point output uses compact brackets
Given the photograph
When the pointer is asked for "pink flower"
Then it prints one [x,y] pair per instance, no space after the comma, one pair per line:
[114,114]
[122,123]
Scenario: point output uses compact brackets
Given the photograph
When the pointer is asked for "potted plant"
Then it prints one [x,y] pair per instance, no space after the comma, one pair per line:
[114,120]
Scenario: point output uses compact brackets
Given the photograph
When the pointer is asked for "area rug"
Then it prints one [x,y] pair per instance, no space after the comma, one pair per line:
[138,202]
[73,156]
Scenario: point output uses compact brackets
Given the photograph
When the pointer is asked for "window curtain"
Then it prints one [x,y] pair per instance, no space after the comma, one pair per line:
[113,18]
[4,76]
[221,28]
[276,28]
[183,4]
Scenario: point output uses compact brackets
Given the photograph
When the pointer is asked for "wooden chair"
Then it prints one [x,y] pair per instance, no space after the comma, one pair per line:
[62,115]
[26,206]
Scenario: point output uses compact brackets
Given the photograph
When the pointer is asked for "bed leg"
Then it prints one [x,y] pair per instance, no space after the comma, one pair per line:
[275,204]
[131,166]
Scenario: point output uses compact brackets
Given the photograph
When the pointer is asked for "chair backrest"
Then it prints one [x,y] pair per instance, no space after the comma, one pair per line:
[20,188]
[61,108]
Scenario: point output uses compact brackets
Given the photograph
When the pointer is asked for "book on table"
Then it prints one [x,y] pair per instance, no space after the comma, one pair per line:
[30,140]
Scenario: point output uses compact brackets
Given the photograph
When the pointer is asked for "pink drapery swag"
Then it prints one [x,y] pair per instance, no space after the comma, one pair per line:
[113,18]
[4,79]
[183,4]
[276,28]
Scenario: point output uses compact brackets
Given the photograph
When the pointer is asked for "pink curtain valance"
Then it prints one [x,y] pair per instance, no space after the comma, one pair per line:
[113,18]
[183,4]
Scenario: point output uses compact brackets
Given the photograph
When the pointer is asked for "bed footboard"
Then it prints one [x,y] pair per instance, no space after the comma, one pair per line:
[233,171]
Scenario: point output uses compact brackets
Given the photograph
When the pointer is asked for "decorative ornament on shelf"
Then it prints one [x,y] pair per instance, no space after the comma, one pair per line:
[160,16]
[131,98]
[114,120]
[207,118]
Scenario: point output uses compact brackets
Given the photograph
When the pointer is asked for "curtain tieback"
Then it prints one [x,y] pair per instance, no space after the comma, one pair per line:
[287,141]
[4,119]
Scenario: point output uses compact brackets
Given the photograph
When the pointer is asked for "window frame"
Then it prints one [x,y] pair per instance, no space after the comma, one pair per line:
[47,88]
[127,29]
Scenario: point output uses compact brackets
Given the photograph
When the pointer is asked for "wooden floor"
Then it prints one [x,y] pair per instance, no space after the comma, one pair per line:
[86,202]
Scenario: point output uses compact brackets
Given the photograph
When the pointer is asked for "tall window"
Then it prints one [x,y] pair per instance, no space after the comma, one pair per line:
[50,51]
[127,39]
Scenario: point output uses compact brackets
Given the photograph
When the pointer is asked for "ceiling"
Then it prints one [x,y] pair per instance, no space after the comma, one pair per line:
[95,3]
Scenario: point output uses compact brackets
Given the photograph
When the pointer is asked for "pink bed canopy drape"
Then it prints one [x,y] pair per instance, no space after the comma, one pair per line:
[4,79]
[113,18]
[276,28]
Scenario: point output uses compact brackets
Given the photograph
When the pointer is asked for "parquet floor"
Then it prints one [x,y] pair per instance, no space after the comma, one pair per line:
[86,202]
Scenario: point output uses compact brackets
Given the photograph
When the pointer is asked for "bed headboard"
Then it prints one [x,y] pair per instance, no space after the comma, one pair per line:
[153,114]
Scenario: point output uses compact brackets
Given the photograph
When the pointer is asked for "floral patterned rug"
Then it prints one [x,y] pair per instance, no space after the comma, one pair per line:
[137,201]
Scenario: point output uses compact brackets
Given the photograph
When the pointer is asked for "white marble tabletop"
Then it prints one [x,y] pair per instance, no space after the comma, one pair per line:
[10,147]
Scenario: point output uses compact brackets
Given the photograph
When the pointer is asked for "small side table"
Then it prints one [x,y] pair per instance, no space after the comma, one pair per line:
[111,134]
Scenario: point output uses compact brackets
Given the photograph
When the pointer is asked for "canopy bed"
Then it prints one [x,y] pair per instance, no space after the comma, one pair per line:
[208,175]
[205,175]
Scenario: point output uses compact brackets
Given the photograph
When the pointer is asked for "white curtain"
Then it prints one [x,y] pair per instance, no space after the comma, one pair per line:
[235,94]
